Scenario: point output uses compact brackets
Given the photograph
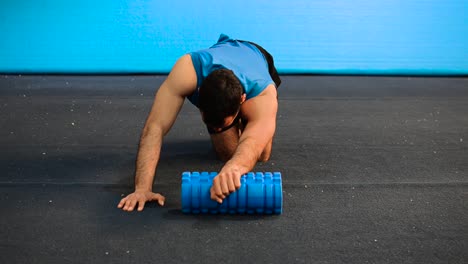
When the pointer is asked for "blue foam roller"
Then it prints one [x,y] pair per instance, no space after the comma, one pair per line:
[260,193]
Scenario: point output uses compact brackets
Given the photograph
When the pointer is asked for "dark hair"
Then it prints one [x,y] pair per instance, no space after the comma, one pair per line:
[219,96]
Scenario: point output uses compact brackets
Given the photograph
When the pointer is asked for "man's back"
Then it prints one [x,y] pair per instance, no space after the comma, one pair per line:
[243,58]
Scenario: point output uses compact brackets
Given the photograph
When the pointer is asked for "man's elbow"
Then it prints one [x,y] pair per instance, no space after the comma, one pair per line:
[151,130]
[265,156]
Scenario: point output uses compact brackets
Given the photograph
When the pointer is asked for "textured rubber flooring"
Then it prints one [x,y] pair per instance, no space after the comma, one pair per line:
[375,169]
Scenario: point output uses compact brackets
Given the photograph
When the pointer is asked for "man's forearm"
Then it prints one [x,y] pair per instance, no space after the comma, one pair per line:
[246,155]
[147,160]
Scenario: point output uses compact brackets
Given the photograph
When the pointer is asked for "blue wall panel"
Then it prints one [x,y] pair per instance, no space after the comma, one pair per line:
[135,36]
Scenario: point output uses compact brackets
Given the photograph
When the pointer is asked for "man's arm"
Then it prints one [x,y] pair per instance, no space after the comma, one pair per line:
[260,113]
[168,101]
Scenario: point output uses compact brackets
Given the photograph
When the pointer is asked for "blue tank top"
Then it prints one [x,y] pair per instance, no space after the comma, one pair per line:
[244,59]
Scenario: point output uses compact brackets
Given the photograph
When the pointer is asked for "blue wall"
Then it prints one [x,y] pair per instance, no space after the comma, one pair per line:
[135,36]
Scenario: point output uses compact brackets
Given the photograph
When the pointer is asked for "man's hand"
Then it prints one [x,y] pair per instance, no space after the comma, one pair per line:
[225,183]
[140,197]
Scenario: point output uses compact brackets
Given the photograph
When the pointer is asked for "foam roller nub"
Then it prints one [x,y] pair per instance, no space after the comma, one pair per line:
[260,193]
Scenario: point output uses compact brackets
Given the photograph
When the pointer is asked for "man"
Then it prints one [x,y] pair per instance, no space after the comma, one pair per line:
[233,83]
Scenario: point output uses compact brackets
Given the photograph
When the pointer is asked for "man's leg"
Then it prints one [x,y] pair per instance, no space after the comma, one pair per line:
[225,143]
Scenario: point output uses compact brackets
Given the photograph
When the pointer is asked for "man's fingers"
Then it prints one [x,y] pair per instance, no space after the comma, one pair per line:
[158,197]
[161,202]
[237,182]
[141,205]
[122,202]
[216,188]
[138,201]
[126,205]
[231,185]
[130,205]
[224,185]
[215,196]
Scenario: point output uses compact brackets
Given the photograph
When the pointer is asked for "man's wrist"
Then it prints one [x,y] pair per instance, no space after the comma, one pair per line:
[230,165]
[143,189]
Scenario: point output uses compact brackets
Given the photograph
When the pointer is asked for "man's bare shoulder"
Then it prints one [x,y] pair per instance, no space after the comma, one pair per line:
[270,90]
[182,79]
[268,93]
[262,105]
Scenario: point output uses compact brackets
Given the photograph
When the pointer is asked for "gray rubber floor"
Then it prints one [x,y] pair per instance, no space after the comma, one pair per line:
[375,170]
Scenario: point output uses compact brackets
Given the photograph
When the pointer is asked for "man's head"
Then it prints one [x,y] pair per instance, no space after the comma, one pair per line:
[220,97]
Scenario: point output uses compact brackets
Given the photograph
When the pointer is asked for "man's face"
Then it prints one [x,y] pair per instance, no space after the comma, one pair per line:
[228,122]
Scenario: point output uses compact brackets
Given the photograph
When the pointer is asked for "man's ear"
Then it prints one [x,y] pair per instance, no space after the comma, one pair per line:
[243,98]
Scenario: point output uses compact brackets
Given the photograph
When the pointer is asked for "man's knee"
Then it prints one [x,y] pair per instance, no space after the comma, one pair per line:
[224,154]
[224,148]
[225,143]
